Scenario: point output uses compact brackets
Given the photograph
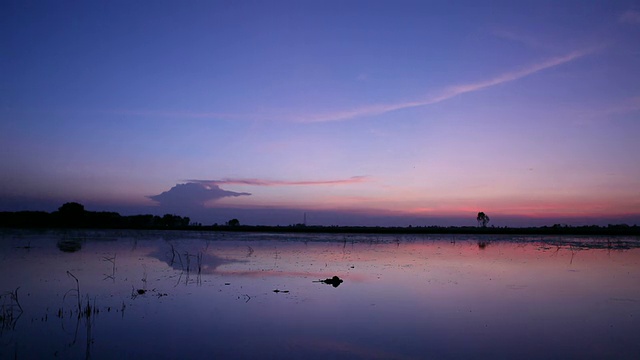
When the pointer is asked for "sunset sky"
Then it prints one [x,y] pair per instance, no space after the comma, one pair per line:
[354,112]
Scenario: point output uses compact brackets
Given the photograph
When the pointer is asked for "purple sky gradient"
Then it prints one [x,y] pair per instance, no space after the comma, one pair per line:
[360,112]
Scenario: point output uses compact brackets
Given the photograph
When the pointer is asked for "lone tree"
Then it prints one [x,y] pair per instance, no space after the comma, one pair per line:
[71,209]
[483,218]
[70,214]
[233,222]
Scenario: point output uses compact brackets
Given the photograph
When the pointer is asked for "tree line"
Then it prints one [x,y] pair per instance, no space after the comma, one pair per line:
[73,215]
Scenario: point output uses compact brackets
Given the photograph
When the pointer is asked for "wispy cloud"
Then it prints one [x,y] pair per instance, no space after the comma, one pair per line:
[184,114]
[629,105]
[630,17]
[377,109]
[529,41]
[451,91]
[264,182]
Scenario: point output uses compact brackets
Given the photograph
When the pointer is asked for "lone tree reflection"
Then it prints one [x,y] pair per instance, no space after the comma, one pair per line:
[483,219]
[69,245]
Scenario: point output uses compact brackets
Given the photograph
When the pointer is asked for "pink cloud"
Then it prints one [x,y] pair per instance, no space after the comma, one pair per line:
[264,182]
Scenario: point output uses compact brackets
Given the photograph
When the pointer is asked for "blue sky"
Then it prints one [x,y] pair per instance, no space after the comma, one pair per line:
[377,112]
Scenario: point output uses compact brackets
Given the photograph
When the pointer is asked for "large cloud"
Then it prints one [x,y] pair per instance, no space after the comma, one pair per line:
[192,195]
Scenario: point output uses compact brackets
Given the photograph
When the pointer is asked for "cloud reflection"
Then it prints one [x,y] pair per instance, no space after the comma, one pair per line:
[194,260]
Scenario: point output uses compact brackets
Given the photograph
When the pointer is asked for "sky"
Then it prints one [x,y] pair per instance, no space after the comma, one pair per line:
[351,112]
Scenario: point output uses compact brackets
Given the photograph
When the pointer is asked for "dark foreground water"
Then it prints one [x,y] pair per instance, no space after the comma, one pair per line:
[170,295]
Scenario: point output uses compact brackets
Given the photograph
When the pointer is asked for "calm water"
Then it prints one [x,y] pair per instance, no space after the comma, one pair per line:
[168,295]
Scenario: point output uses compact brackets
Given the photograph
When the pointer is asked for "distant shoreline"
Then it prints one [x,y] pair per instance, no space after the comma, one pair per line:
[427,230]
[74,216]
[615,230]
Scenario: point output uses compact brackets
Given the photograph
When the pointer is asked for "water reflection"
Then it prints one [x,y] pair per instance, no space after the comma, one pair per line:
[69,245]
[192,259]
[334,281]
[264,295]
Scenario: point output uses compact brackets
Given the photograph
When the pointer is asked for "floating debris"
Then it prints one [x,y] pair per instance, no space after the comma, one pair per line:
[334,281]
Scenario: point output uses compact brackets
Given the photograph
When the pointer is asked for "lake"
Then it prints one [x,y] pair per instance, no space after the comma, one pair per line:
[166,295]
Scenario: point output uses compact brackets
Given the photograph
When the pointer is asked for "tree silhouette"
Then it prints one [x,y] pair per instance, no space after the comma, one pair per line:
[71,208]
[233,222]
[483,219]
[174,221]
[71,214]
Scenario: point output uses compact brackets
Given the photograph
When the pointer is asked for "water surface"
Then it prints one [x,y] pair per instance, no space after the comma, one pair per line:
[166,295]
